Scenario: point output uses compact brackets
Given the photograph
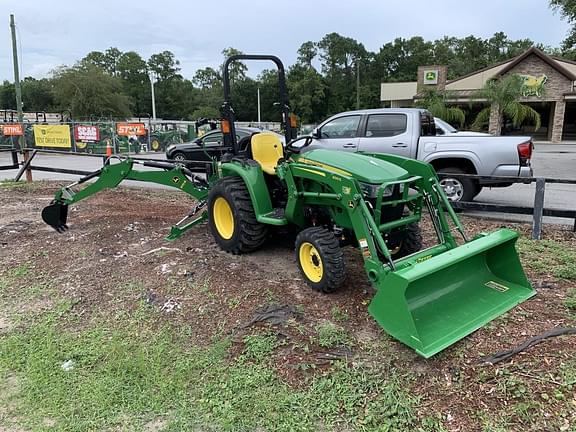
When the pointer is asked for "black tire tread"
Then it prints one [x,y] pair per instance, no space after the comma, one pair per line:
[251,233]
[412,241]
[332,257]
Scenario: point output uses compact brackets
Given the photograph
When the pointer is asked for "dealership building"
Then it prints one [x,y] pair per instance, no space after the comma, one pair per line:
[549,88]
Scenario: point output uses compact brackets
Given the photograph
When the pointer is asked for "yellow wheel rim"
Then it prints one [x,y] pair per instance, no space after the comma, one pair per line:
[311,262]
[223,218]
[155,144]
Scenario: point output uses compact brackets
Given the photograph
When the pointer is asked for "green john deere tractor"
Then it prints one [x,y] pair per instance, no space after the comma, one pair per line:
[428,299]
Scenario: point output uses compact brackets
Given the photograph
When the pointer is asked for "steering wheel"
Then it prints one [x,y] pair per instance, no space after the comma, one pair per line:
[307,141]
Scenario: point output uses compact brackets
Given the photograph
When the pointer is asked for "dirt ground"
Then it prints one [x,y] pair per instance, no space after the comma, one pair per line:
[114,257]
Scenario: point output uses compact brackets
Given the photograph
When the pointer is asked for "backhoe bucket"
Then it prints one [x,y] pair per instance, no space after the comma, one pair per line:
[434,303]
[56,215]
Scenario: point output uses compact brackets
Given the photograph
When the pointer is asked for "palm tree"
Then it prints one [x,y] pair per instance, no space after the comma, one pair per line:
[503,95]
[435,101]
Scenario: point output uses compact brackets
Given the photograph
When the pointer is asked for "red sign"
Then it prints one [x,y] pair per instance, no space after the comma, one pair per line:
[12,130]
[129,129]
[86,133]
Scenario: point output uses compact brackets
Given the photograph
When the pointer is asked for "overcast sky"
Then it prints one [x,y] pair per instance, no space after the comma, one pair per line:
[57,32]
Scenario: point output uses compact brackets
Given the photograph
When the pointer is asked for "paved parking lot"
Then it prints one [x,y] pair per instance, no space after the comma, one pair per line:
[554,161]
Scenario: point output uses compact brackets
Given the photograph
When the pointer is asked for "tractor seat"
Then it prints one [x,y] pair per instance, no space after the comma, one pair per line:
[266,150]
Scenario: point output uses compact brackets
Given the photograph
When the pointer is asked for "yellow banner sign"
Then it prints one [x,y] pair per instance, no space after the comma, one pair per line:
[52,136]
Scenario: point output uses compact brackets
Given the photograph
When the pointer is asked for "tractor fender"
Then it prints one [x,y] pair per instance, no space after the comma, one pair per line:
[255,183]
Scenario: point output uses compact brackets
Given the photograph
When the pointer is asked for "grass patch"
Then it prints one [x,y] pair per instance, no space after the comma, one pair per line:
[125,375]
[571,300]
[547,257]
[21,185]
[329,335]
[259,346]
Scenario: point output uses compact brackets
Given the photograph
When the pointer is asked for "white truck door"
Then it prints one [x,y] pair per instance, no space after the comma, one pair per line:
[387,133]
[340,133]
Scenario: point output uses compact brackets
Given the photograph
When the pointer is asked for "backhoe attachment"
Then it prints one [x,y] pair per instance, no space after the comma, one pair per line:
[111,175]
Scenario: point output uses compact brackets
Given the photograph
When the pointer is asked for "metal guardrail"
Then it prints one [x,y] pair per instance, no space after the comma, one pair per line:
[538,211]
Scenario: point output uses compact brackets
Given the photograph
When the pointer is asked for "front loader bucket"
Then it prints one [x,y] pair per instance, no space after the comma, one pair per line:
[434,303]
[56,215]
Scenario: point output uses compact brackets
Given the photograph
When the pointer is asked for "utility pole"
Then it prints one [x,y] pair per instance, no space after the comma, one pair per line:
[151,76]
[357,84]
[17,81]
[258,106]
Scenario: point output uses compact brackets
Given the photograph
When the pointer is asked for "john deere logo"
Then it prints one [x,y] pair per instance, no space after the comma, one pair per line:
[431,77]
[533,86]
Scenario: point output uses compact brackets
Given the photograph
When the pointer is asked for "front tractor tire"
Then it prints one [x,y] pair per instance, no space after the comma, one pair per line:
[320,259]
[411,242]
[232,219]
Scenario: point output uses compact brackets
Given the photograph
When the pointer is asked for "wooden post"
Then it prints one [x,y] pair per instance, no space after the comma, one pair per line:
[538,209]
[28,170]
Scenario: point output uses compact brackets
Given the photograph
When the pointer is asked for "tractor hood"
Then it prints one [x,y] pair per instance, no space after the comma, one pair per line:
[364,168]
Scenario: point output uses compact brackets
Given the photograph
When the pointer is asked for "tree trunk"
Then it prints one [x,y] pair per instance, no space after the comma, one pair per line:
[496,120]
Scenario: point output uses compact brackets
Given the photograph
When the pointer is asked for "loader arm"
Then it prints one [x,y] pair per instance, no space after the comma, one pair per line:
[110,176]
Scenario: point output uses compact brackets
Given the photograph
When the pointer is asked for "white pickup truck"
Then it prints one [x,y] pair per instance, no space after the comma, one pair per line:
[411,132]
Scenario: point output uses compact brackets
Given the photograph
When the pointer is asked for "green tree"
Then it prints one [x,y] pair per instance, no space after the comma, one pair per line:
[132,70]
[567,9]
[307,93]
[436,102]
[87,91]
[37,95]
[503,95]
[7,96]
[237,70]
[164,65]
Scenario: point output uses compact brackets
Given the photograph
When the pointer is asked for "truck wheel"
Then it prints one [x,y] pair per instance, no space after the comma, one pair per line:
[320,259]
[411,242]
[232,219]
[457,188]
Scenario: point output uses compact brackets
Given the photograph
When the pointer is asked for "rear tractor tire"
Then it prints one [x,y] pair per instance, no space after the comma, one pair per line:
[155,144]
[232,219]
[320,259]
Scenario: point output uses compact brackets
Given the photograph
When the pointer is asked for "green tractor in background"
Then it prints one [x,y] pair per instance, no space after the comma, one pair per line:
[108,137]
[164,135]
[428,299]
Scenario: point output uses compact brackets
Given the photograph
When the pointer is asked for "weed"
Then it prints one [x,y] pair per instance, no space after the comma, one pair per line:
[571,300]
[259,346]
[548,257]
[338,314]
[19,271]
[329,335]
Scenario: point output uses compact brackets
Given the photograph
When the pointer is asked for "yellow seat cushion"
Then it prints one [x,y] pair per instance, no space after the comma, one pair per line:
[266,150]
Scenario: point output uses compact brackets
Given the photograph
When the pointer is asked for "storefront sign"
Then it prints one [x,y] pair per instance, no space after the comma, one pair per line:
[86,133]
[533,86]
[129,129]
[52,136]
[12,129]
[431,77]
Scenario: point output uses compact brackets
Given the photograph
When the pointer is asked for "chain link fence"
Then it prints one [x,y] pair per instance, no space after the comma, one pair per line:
[126,137]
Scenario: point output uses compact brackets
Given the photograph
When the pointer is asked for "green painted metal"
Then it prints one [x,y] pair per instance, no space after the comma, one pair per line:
[428,300]
[434,303]
[110,176]
[254,180]
[368,170]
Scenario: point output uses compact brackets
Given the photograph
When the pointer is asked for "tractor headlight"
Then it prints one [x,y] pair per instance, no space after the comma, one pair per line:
[371,190]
